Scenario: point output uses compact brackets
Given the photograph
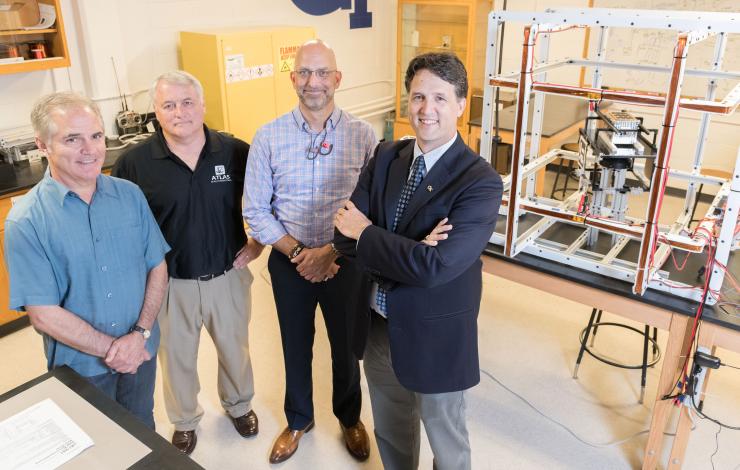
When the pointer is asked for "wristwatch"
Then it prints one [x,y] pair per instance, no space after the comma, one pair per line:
[144,332]
[334,250]
[296,250]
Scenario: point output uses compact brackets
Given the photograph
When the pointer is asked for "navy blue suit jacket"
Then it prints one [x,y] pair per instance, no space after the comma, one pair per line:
[434,293]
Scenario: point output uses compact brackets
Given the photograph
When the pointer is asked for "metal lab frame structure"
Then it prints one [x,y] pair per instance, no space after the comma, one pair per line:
[656,242]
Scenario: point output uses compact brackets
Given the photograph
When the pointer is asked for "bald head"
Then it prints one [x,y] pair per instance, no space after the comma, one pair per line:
[315,77]
[315,47]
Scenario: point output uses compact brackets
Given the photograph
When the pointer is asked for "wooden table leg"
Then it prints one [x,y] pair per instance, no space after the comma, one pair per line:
[678,340]
[683,430]
[681,441]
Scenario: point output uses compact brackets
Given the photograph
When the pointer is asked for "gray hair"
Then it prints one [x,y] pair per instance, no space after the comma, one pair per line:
[177,77]
[41,114]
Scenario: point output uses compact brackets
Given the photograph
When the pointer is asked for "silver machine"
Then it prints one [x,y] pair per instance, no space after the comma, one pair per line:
[608,145]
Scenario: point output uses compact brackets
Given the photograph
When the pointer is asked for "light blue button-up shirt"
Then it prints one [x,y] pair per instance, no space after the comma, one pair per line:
[92,260]
[297,178]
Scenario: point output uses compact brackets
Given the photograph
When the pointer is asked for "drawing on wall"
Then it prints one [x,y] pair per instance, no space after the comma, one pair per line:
[647,46]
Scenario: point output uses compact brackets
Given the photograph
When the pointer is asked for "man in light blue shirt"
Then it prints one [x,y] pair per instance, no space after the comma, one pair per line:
[86,259]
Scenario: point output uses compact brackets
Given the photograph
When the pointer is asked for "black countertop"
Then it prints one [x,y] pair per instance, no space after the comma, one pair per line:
[615,286]
[163,455]
[24,175]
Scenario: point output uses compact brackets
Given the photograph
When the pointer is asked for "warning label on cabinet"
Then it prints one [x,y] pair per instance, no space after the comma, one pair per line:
[238,71]
[287,58]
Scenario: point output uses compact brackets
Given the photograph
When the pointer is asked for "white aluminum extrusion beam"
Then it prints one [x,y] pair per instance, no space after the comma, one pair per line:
[720,74]
[626,18]
[726,233]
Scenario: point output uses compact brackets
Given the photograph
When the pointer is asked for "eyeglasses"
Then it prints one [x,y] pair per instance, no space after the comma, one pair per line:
[322,74]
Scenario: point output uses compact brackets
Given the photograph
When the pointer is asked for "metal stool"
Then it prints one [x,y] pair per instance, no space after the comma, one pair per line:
[593,325]
[572,147]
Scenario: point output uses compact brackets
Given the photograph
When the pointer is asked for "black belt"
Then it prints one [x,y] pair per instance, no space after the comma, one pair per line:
[208,277]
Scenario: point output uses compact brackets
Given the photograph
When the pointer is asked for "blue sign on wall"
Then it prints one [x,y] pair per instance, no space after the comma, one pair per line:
[360,18]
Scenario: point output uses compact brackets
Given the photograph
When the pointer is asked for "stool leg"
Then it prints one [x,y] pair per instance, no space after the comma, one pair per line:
[655,342]
[567,179]
[644,363]
[557,177]
[583,343]
[696,202]
[596,328]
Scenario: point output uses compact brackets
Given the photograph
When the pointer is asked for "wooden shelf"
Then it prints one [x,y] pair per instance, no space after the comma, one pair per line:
[25,32]
[34,65]
[54,38]
[433,48]
[459,22]
[422,21]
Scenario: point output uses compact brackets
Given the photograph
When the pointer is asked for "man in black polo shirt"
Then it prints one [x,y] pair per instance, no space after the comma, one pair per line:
[193,179]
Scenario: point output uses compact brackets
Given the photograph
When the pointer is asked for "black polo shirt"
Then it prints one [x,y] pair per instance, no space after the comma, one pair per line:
[199,212]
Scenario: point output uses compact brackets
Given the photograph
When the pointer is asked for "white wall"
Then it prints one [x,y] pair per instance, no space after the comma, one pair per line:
[142,37]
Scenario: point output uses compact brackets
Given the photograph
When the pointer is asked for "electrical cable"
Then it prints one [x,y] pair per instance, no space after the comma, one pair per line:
[697,318]
[716,446]
[128,139]
[703,416]
[567,429]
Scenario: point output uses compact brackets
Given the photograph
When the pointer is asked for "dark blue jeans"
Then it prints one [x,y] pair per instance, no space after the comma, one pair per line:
[135,392]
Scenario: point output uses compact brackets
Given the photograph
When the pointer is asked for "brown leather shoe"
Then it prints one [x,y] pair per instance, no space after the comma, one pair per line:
[287,443]
[358,444]
[185,441]
[247,425]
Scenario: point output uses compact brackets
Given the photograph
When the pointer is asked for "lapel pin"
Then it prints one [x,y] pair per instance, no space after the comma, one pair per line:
[430,188]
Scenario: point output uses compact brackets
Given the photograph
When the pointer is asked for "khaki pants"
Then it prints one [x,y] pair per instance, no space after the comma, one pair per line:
[223,306]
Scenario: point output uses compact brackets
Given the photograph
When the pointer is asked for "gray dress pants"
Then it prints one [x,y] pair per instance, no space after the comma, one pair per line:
[397,412]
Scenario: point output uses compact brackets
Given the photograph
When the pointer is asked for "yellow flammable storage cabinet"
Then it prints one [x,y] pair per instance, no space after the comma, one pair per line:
[245,74]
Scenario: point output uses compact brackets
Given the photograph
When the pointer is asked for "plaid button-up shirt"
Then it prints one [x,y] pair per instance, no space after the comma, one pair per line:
[296,178]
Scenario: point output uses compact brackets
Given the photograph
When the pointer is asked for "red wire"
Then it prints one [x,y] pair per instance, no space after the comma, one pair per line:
[697,317]
[683,265]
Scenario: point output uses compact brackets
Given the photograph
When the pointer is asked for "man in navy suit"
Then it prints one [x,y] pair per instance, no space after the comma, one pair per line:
[424,292]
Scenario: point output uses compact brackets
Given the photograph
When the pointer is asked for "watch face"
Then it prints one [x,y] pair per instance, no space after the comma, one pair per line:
[144,332]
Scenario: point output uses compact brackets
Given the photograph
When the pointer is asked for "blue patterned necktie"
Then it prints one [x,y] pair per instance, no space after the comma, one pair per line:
[418,171]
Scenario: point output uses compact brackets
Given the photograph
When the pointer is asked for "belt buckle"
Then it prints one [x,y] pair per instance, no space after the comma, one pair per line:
[208,277]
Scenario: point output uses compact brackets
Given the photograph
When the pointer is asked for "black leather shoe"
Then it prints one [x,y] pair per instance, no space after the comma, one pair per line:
[247,425]
[185,441]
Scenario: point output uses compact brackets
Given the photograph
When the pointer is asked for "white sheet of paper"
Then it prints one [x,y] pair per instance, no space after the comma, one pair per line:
[41,437]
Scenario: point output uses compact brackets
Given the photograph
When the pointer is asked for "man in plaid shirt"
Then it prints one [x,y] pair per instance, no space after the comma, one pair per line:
[301,167]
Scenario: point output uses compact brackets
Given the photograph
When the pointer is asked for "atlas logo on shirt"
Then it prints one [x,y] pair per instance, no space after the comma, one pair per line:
[220,175]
